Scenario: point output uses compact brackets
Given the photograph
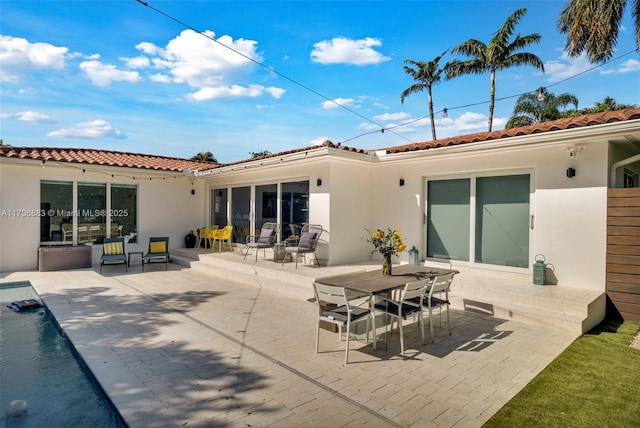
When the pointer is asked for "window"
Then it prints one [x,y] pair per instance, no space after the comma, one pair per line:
[56,209]
[90,213]
[124,211]
[498,209]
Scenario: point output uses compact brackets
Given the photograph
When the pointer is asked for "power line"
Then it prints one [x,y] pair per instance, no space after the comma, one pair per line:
[271,69]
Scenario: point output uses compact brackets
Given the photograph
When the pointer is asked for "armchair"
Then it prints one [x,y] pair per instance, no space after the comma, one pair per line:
[305,244]
[220,236]
[267,239]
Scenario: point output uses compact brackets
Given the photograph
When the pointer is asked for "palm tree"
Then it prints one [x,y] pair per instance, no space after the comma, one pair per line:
[498,55]
[592,26]
[204,157]
[531,108]
[426,74]
[607,104]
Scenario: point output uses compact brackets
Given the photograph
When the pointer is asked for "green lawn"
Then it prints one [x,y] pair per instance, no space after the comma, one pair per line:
[595,382]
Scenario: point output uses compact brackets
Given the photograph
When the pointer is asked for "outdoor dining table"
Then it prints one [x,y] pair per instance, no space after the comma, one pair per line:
[372,283]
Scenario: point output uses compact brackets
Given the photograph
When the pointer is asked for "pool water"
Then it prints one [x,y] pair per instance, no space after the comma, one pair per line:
[38,366]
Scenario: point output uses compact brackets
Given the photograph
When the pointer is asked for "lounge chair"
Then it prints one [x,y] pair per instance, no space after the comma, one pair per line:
[305,244]
[113,252]
[267,239]
[158,251]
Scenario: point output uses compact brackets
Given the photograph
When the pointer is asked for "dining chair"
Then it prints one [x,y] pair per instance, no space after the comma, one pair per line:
[343,315]
[405,305]
[440,285]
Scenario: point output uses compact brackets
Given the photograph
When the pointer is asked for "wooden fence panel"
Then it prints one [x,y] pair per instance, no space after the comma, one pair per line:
[623,252]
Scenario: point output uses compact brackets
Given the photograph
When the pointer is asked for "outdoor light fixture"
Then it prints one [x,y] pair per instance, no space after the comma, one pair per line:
[401,182]
[541,93]
[445,113]
[319,182]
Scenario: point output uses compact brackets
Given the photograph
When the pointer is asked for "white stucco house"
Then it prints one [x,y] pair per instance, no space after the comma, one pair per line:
[489,202]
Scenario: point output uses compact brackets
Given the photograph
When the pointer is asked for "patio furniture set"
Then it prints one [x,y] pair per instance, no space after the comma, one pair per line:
[113,252]
[412,290]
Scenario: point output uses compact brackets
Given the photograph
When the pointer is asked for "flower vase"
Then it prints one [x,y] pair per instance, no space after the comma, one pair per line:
[386,265]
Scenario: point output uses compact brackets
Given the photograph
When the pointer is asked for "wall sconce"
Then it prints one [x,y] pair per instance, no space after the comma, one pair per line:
[571,172]
[401,182]
[319,182]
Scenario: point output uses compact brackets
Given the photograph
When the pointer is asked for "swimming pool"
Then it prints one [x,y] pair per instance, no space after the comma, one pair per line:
[38,366]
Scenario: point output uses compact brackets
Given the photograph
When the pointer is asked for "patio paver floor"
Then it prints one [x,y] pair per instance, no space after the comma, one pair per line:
[185,348]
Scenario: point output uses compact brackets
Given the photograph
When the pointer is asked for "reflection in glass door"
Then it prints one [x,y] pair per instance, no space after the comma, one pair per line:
[240,211]
[219,207]
[266,204]
[294,207]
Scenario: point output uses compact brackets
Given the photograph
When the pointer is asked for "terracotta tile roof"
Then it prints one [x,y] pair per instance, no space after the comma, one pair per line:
[554,125]
[163,163]
[104,158]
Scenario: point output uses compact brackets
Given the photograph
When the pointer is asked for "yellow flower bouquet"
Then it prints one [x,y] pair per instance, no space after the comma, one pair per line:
[388,244]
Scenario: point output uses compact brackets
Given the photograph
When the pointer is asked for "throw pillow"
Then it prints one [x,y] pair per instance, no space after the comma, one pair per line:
[266,236]
[307,240]
[113,248]
[157,247]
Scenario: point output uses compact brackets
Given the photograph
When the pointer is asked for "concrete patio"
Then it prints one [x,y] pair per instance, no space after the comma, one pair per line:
[208,346]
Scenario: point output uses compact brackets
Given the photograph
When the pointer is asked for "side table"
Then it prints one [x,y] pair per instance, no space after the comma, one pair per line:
[279,255]
[141,253]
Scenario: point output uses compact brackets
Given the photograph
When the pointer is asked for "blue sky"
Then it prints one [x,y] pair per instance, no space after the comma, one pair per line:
[117,75]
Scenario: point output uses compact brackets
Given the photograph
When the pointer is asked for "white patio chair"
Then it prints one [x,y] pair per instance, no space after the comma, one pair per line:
[343,315]
[405,305]
[439,286]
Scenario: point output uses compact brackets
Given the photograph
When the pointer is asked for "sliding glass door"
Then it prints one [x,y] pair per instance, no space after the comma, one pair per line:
[480,219]
[240,213]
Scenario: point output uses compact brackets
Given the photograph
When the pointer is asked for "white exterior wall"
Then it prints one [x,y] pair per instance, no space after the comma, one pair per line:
[569,213]
[165,207]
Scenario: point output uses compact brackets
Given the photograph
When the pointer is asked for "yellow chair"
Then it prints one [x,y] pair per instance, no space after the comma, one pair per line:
[206,233]
[222,235]
[202,234]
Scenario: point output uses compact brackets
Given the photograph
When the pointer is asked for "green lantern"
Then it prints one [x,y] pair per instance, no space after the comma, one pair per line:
[539,270]
[414,256]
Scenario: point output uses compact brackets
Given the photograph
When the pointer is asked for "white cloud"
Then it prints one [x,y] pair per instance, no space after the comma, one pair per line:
[337,102]
[341,50]
[160,78]
[103,74]
[392,116]
[315,142]
[148,48]
[98,128]
[32,116]
[137,62]
[212,66]
[233,91]
[565,67]
[629,66]
[19,57]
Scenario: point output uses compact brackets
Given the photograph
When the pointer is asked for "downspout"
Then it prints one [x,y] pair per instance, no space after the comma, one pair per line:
[617,165]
